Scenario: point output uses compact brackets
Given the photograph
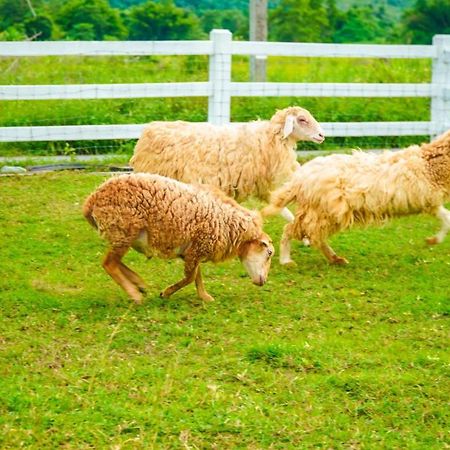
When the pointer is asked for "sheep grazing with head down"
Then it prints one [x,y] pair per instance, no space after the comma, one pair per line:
[159,216]
[243,160]
[335,192]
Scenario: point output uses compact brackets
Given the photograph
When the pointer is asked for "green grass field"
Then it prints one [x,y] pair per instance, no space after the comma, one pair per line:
[83,70]
[326,357]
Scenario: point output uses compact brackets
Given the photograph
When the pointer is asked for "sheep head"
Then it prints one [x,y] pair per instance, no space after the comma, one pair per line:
[256,256]
[299,124]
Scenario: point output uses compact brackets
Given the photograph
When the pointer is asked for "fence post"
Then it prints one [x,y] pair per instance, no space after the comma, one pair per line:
[440,100]
[219,101]
[258,32]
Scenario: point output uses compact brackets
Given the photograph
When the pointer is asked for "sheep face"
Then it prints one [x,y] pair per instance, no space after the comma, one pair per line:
[256,256]
[302,126]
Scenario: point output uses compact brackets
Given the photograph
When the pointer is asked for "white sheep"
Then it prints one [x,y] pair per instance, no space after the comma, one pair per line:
[335,192]
[159,216]
[243,160]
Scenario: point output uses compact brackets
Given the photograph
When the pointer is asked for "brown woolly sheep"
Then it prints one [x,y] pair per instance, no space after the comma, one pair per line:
[335,192]
[243,160]
[159,216]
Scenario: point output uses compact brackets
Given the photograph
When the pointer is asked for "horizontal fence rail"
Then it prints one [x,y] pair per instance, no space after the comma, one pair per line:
[70,133]
[118,48]
[331,89]
[98,91]
[93,132]
[333,50]
[105,48]
[204,89]
[219,88]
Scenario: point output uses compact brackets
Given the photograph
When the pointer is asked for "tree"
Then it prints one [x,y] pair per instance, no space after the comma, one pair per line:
[336,18]
[90,19]
[229,19]
[425,19]
[299,21]
[83,32]
[40,26]
[163,21]
[13,33]
[12,12]
[359,25]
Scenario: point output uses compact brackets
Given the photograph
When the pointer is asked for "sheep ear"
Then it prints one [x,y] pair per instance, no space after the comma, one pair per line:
[288,126]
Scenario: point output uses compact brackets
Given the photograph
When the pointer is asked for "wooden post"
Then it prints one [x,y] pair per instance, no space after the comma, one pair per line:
[258,32]
[440,80]
[219,101]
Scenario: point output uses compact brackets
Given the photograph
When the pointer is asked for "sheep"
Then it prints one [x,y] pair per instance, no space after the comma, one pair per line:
[159,216]
[335,192]
[243,160]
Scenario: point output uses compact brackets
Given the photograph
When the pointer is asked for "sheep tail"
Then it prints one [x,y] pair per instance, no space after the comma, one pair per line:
[280,199]
[88,208]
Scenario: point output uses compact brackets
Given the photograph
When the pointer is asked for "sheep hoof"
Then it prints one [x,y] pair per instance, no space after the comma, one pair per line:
[137,299]
[432,240]
[207,298]
[339,260]
[289,264]
[165,294]
[142,289]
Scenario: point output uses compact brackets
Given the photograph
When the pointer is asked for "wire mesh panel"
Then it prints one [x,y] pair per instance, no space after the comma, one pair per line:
[358,108]
[98,95]
[40,94]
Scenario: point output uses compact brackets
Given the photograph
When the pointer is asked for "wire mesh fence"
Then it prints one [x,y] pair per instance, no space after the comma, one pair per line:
[98,89]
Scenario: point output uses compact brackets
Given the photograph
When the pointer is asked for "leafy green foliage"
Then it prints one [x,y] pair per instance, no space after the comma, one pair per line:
[300,21]
[363,24]
[13,33]
[90,19]
[319,357]
[162,21]
[297,21]
[322,21]
[400,4]
[40,26]
[202,5]
[425,19]
[12,12]
[197,5]
[232,19]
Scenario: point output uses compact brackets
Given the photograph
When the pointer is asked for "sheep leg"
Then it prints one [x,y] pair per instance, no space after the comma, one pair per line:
[287,215]
[444,215]
[133,277]
[190,272]
[112,265]
[285,245]
[331,255]
[201,288]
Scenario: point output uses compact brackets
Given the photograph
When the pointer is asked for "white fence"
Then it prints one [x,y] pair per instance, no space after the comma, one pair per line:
[219,88]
